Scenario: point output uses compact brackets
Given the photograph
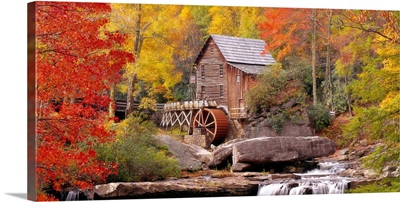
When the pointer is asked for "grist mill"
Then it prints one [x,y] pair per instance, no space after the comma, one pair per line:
[226,68]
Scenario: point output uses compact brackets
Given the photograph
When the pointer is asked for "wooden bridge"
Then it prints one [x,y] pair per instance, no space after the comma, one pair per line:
[200,117]
[121,107]
[181,113]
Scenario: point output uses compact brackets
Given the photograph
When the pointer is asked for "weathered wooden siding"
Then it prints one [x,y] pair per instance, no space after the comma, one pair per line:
[233,91]
[212,58]
[234,87]
[250,82]
[237,89]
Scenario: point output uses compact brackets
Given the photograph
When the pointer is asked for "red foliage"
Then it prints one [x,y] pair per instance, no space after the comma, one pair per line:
[76,64]
[286,31]
[45,197]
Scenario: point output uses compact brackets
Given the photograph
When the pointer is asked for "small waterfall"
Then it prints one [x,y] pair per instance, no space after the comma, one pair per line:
[75,195]
[314,186]
[319,181]
[274,189]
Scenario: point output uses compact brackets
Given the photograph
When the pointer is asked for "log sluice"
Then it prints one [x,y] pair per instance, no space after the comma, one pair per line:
[202,116]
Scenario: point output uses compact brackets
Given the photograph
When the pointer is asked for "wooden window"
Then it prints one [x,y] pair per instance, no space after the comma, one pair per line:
[221,71]
[202,71]
[212,49]
[221,91]
[203,92]
[237,78]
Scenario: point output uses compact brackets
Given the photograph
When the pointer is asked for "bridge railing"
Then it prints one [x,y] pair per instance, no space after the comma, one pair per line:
[189,105]
[121,106]
[237,113]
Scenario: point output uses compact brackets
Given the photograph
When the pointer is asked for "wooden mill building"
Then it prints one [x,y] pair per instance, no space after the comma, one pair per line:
[227,68]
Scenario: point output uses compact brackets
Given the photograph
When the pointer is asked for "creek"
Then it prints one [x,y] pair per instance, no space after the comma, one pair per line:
[323,180]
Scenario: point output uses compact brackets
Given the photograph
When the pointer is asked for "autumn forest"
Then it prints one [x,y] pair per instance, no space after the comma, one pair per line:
[88,55]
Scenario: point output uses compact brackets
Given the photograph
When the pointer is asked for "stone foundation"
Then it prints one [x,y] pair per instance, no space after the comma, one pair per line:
[235,130]
[198,138]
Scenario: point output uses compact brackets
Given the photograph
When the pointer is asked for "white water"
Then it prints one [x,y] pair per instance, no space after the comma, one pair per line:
[319,181]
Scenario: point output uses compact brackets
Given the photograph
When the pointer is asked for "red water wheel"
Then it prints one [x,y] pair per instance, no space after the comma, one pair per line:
[213,123]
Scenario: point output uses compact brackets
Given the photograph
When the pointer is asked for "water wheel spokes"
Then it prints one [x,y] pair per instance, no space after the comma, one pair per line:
[213,122]
[210,124]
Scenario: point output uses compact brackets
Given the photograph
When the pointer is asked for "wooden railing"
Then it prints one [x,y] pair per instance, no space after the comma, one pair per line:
[237,113]
[189,105]
[121,106]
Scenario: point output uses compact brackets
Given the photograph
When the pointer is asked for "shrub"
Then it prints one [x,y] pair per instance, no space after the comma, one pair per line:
[273,88]
[319,116]
[277,122]
[339,98]
[264,94]
[138,156]
[380,186]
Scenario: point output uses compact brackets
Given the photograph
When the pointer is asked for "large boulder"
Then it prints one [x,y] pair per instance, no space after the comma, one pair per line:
[204,186]
[281,149]
[190,157]
[222,153]
[240,167]
[264,150]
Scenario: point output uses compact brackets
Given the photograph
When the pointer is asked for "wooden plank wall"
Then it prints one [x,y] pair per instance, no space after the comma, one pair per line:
[212,58]
[234,91]
[237,90]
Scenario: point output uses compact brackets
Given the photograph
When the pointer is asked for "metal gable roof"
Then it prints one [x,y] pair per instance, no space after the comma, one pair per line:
[243,50]
[250,69]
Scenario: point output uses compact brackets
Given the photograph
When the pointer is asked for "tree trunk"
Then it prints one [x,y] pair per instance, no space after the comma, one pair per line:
[348,98]
[313,57]
[328,75]
[138,33]
[130,97]
[136,49]
[112,97]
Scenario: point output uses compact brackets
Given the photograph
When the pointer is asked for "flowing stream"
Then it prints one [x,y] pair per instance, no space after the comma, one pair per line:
[323,180]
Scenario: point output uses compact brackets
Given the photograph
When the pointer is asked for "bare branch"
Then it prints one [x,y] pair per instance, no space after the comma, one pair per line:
[360,26]
[60,52]
[145,26]
[49,34]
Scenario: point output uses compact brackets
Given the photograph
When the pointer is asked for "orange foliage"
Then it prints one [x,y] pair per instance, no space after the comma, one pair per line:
[285,31]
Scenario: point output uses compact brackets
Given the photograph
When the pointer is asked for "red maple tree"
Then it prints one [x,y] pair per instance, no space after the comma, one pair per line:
[76,63]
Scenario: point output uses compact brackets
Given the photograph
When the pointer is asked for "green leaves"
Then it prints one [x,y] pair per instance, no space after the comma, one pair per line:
[376,91]
[319,116]
[273,89]
[138,156]
[270,83]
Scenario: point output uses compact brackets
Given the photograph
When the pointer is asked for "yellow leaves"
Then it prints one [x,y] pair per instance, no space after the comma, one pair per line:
[148,103]
[250,17]
[121,87]
[391,101]
[186,13]
[162,28]
[390,72]
[112,27]
[224,20]
[156,64]
[121,129]
[40,46]
[130,70]
[122,18]
[235,21]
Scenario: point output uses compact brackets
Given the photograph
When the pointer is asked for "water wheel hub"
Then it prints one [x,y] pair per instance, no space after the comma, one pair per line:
[213,123]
